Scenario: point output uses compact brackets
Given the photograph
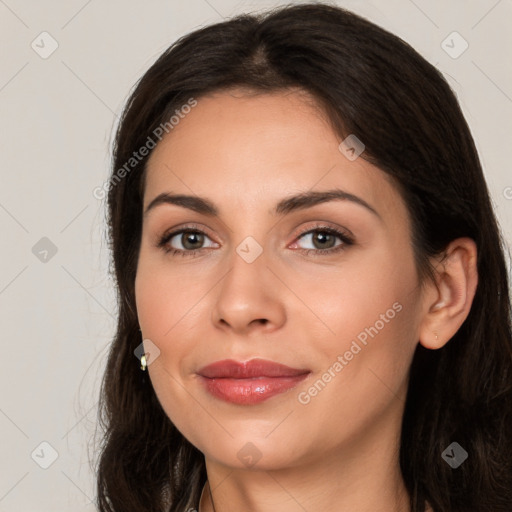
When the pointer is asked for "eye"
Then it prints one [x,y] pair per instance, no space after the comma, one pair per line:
[323,240]
[189,241]
[185,242]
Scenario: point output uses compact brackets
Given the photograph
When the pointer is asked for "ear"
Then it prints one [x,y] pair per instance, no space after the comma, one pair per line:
[447,301]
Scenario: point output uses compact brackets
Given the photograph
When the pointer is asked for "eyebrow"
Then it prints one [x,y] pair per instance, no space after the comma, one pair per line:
[285,206]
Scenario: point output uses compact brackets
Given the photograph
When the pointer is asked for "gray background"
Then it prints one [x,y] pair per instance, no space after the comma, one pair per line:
[57,116]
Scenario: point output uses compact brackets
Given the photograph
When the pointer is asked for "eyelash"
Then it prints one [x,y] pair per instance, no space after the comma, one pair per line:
[346,239]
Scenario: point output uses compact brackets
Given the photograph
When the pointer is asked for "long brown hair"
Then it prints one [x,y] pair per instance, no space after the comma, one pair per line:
[372,84]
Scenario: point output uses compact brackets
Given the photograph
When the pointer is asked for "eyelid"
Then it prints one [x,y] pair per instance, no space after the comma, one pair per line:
[191,227]
[327,227]
[186,227]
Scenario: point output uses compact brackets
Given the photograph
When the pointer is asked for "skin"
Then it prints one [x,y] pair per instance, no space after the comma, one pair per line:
[245,153]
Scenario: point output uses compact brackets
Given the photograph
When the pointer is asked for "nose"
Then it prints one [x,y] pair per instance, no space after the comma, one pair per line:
[249,298]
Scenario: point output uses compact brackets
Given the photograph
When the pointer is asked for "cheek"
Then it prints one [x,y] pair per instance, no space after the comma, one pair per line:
[170,310]
[351,301]
[372,318]
[164,294]
[165,307]
[363,375]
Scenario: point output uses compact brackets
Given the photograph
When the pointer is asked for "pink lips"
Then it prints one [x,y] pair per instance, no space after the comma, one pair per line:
[251,382]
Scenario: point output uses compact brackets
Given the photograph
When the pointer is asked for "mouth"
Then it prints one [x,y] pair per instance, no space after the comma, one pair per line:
[250,382]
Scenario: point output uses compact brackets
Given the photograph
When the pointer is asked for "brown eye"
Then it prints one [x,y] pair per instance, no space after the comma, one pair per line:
[192,240]
[324,240]
[185,242]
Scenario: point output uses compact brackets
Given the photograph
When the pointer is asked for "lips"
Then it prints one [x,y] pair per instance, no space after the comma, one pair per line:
[248,370]
[249,382]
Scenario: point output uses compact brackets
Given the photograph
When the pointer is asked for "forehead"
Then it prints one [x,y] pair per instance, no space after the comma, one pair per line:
[252,149]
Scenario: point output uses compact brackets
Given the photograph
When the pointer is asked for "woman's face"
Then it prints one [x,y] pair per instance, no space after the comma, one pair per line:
[268,266]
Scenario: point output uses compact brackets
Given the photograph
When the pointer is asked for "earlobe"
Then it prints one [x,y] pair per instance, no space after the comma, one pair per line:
[448,302]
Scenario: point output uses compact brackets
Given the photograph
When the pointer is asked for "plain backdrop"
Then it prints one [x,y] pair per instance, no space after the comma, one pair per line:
[58,110]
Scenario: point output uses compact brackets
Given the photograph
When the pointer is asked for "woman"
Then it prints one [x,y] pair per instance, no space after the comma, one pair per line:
[311,278]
